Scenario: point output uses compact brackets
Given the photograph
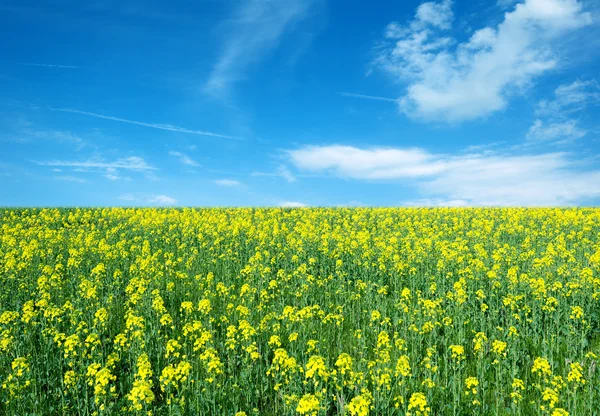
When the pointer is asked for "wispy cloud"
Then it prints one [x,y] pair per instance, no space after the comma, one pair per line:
[163,200]
[133,163]
[561,132]
[68,178]
[282,172]
[49,65]
[153,199]
[167,127]
[452,81]
[477,179]
[184,159]
[256,27]
[292,204]
[370,97]
[28,134]
[227,182]
[570,98]
[426,202]
[556,123]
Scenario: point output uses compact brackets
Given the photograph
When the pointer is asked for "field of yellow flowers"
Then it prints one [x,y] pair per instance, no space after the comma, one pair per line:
[300,311]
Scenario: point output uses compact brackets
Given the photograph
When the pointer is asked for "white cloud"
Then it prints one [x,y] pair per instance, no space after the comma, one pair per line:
[436,203]
[561,132]
[285,173]
[375,163]
[162,200]
[474,179]
[452,81]
[167,127]
[282,172]
[112,177]
[256,27]
[183,158]
[133,163]
[292,204]
[226,182]
[153,199]
[435,14]
[570,98]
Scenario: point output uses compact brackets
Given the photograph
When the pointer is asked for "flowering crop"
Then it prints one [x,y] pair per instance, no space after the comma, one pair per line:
[299,311]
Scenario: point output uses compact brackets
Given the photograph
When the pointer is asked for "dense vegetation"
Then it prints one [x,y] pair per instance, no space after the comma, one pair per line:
[301,311]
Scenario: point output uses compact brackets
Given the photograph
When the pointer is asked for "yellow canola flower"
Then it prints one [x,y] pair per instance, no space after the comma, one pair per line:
[417,405]
[308,405]
[541,367]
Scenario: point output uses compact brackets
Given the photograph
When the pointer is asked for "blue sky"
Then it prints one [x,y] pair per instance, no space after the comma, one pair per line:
[299,102]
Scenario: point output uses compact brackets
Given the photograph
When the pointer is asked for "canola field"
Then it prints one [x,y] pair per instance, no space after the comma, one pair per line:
[300,311]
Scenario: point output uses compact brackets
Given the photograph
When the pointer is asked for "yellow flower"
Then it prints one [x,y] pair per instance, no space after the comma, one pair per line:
[403,366]
[499,347]
[471,384]
[479,342]
[361,404]
[316,366]
[541,366]
[417,405]
[576,374]
[308,405]
[458,352]
[141,393]
[517,386]
[551,396]
[375,316]
[344,363]
[576,312]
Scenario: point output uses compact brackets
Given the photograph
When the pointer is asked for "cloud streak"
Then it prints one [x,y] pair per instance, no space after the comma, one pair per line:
[50,65]
[133,163]
[184,159]
[369,97]
[166,127]
[256,27]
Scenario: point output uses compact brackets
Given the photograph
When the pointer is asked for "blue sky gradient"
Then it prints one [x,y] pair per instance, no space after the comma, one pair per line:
[299,103]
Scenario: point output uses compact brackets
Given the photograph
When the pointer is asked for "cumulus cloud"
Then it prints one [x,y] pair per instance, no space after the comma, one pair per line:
[473,179]
[454,81]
